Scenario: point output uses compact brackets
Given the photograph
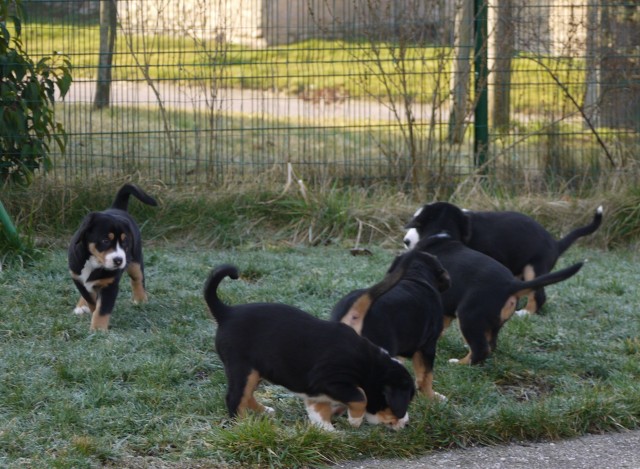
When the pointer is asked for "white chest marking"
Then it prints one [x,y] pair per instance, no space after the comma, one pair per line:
[89,266]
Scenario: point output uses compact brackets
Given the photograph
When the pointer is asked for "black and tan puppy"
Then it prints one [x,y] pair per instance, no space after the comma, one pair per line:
[327,363]
[407,320]
[106,244]
[515,240]
[483,293]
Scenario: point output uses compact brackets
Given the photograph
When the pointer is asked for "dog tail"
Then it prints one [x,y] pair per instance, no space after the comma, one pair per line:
[356,314]
[523,288]
[568,240]
[121,202]
[216,307]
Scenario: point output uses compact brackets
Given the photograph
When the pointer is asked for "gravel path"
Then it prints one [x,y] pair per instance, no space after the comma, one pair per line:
[608,451]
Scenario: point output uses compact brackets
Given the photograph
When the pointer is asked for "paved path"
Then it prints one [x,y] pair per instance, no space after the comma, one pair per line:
[608,451]
[252,102]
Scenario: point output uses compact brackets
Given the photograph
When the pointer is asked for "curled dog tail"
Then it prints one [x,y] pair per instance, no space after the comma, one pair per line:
[121,202]
[524,288]
[356,314]
[571,238]
[216,307]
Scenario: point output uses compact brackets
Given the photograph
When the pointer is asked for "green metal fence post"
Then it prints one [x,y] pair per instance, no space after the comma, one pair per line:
[9,228]
[481,74]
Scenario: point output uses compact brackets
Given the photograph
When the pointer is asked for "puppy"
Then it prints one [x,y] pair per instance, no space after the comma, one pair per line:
[408,319]
[516,241]
[106,244]
[327,363]
[483,293]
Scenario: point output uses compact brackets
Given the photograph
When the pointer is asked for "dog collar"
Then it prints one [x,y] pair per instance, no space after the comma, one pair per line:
[429,240]
[441,235]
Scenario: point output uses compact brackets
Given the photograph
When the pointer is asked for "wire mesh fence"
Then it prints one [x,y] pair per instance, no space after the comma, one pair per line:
[354,91]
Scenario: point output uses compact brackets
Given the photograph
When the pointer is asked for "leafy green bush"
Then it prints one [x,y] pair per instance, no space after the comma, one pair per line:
[27,95]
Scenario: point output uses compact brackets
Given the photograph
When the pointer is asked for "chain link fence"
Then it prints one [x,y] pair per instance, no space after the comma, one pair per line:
[351,91]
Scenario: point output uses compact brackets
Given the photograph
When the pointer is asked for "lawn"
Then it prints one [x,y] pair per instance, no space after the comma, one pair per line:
[152,389]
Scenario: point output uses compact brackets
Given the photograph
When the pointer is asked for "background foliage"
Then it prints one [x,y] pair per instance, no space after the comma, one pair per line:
[27,97]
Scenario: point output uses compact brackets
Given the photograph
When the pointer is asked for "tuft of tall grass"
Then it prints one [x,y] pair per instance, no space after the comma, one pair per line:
[273,215]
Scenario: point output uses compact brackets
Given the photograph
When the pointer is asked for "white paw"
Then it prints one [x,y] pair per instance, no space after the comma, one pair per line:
[522,312]
[316,417]
[269,410]
[454,360]
[79,310]
[324,425]
[440,397]
[139,301]
[355,421]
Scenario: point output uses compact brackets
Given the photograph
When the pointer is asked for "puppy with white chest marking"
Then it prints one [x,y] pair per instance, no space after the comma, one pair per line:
[515,240]
[325,362]
[407,320]
[107,244]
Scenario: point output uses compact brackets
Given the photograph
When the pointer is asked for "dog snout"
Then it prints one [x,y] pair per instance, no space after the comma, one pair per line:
[411,238]
[401,423]
[117,261]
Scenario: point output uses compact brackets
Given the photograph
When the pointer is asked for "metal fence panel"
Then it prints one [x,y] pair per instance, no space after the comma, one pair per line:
[205,91]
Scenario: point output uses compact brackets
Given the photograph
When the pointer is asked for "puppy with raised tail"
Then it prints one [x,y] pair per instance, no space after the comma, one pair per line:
[483,294]
[107,244]
[515,240]
[326,363]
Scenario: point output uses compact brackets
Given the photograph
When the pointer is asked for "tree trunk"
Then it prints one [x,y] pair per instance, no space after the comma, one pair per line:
[108,24]
[461,69]
[501,51]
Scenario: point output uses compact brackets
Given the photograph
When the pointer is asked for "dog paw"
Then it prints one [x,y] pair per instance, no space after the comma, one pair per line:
[326,426]
[522,312]
[355,421]
[454,360]
[269,410]
[140,300]
[79,310]
[439,397]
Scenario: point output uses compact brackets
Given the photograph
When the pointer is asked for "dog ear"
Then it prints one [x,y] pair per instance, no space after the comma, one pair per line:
[80,234]
[398,389]
[443,279]
[398,399]
[413,223]
[394,264]
[465,228]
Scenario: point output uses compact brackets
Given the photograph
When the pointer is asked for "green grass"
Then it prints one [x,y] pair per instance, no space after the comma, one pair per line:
[153,388]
